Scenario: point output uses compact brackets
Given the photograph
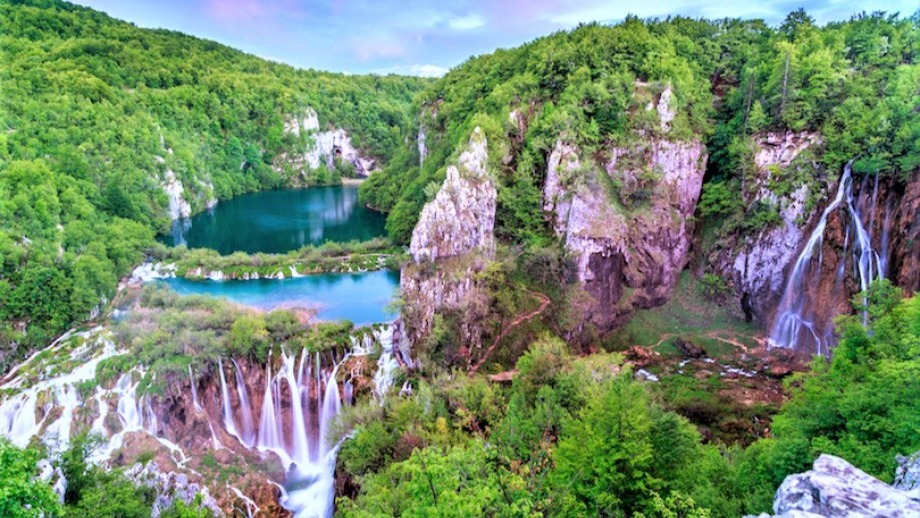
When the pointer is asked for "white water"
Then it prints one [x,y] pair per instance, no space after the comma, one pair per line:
[249,435]
[229,422]
[298,430]
[795,325]
[191,379]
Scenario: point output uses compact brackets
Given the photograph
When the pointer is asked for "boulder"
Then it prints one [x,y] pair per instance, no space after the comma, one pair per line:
[836,488]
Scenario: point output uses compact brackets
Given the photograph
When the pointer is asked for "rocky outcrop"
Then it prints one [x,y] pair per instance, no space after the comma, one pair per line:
[835,488]
[171,487]
[757,264]
[905,256]
[461,218]
[907,474]
[322,147]
[178,206]
[452,241]
[626,223]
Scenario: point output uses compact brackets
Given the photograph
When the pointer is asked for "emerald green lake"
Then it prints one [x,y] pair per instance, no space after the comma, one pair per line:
[279,221]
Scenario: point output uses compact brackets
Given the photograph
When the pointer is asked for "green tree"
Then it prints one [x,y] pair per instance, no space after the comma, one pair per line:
[22,495]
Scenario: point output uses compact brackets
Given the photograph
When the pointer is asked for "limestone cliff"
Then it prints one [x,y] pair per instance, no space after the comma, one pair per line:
[452,241]
[626,220]
[321,147]
[756,264]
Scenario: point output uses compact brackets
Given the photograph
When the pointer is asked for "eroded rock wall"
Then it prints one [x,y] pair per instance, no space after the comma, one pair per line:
[627,221]
[452,241]
[322,147]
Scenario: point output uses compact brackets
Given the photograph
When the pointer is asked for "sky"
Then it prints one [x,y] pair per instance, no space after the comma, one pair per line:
[427,37]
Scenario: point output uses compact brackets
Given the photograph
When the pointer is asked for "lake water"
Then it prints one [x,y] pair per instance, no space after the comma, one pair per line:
[280,221]
[360,297]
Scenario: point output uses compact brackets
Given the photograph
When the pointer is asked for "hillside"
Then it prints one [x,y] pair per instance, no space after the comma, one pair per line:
[108,128]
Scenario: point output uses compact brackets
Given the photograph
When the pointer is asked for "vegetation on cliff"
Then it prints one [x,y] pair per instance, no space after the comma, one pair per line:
[852,81]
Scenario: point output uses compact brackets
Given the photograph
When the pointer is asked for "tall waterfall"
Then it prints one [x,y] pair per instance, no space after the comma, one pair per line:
[795,323]
[229,422]
[249,435]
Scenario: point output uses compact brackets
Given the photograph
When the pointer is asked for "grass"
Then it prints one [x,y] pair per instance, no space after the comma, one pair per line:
[690,315]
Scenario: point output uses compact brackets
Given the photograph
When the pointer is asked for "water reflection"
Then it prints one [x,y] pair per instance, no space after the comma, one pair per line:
[279,221]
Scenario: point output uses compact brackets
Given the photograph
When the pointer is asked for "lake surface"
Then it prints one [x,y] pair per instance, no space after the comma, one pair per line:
[280,221]
[360,297]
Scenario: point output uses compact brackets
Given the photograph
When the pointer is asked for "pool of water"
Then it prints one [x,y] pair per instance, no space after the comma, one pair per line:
[279,221]
[362,297]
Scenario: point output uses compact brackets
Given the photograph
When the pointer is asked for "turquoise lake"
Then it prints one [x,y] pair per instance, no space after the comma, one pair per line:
[280,221]
[362,297]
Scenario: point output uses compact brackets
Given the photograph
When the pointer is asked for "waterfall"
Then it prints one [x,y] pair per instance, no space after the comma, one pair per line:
[191,379]
[331,407]
[301,453]
[245,408]
[229,423]
[795,323]
[269,427]
[386,364]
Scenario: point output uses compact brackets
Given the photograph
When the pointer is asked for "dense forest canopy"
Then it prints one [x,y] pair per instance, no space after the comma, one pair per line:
[95,111]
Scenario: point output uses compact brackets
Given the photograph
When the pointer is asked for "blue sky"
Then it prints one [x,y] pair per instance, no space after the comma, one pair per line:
[426,37]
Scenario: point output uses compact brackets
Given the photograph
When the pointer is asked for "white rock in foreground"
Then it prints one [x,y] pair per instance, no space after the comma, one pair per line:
[836,488]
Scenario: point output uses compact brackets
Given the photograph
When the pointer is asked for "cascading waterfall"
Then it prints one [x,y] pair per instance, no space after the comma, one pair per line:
[245,408]
[229,422]
[795,325]
[297,430]
[191,379]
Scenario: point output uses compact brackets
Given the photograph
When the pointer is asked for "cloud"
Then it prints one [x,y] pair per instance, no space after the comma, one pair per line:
[428,70]
[465,23]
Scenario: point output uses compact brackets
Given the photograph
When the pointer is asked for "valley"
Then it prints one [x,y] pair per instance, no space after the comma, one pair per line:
[657,267]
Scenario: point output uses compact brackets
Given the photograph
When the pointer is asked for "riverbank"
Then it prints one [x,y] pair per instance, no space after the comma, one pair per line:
[205,263]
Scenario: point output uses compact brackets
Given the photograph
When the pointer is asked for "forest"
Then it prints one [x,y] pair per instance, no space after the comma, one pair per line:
[95,111]
[550,421]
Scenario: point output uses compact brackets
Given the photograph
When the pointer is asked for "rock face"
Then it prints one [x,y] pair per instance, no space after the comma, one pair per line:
[757,265]
[461,218]
[905,257]
[627,224]
[907,475]
[323,147]
[178,206]
[171,487]
[835,488]
[455,231]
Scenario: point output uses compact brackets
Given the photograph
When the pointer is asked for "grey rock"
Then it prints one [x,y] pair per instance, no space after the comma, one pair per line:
[907,474]
[835,488]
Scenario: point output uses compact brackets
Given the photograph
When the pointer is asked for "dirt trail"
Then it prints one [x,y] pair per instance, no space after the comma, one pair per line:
[544,303]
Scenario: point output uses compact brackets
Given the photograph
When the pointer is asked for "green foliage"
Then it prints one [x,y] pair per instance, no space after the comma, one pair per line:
[168,333]
[714,286]
[465,480]
[95,112]
[21,494]
[619,450]
[863,405]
